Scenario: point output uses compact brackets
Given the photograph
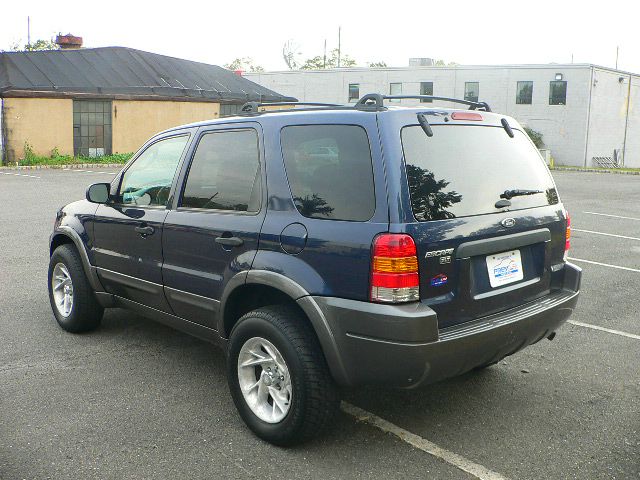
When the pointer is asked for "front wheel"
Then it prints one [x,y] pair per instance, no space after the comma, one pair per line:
[72,299]
[278,376]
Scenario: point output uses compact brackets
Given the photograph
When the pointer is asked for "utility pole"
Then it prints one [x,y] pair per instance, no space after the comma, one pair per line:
[339,45]
[324,62]
[28,31]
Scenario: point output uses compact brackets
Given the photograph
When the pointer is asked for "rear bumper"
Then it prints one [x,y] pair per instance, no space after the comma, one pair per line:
[401,345]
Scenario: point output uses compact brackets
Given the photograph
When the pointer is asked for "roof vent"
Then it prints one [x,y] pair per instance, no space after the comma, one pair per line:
[68,41]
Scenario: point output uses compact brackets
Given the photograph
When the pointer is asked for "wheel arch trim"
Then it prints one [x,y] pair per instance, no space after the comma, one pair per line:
[306,303]
[89,270]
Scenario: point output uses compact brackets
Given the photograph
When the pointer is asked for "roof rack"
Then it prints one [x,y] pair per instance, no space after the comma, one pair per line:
[254,107]
[371,101]
[376,101]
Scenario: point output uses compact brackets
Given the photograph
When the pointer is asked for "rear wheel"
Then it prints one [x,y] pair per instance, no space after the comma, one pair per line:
[72,300]
[278,377]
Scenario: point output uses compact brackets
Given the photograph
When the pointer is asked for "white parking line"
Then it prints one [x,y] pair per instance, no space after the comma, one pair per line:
[605,264]
[420,443]
[606,234]
[19,174]
[614,216]
[79,170]
[603,329]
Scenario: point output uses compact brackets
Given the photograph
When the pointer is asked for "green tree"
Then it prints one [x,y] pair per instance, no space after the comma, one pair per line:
[442,63]
[246,64]
[34,46]
[380,64]
[290,54]
[318,62]
[536,137]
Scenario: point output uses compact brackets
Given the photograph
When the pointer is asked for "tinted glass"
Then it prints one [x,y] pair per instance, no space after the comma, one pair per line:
[329,171]
[471,91]
[426,88]
[524,93]
[462,170]
[557,93]
[225,173]
[395,89]
[354,91]
[148,180]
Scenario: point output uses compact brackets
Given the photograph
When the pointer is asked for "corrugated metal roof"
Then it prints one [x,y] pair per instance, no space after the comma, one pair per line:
[123,72]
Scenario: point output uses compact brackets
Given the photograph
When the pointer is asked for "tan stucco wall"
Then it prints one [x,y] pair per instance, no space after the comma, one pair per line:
[135,121]
[45,123]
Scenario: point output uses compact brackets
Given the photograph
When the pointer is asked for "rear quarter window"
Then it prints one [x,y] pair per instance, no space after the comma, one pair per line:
[462,171]
[329,171]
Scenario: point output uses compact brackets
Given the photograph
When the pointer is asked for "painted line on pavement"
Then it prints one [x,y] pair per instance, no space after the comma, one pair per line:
[79,170]
[603,329]
[614,216]
[420,443]
[629,269]
[606,234]
[19,174]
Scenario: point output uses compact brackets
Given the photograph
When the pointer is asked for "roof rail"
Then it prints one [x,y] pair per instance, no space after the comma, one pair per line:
[254,107]
[376,101]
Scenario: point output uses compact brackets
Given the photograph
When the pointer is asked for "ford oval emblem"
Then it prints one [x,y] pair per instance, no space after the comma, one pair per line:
[508,222]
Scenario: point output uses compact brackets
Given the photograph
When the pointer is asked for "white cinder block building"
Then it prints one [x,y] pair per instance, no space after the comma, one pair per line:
[582,110]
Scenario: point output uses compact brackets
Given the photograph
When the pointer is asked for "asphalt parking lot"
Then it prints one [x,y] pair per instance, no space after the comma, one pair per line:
[136,399]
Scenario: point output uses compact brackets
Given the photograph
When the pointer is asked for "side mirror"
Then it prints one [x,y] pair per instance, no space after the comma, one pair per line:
[98,192]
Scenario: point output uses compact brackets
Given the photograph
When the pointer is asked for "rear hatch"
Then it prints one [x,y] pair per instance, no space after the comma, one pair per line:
[486,218]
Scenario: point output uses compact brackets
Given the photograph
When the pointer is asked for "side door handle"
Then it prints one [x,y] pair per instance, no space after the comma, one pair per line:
[229,241]
[144,231]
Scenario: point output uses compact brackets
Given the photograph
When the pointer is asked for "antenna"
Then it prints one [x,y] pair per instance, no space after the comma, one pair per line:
[339,31]
[28,31]
[617,52]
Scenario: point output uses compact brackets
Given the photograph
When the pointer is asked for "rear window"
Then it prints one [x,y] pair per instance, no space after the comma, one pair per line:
[462,170]
[329,171]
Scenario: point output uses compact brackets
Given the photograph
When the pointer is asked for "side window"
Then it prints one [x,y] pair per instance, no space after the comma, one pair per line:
[329,171]
[148,180]
[225,172]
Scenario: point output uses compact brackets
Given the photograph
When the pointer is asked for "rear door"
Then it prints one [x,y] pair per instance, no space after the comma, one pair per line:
[481,250]
[128,231]
[212,234]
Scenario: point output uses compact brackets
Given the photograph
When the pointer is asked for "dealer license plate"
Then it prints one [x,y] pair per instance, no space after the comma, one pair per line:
[504,268]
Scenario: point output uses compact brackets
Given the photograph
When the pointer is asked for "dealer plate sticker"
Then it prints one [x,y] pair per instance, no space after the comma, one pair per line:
[504,268]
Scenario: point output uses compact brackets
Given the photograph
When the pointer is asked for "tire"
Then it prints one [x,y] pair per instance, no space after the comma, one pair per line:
[313,399]
[84,313]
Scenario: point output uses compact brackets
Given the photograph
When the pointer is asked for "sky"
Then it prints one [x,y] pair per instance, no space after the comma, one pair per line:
[466,32]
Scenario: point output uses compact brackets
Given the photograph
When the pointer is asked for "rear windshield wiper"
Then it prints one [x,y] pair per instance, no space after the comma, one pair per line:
[509,194]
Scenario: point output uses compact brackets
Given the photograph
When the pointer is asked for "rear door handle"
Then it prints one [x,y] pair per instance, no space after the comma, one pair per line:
[144,231]
[229,241]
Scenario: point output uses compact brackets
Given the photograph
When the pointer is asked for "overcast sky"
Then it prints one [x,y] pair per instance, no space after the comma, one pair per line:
[467,32]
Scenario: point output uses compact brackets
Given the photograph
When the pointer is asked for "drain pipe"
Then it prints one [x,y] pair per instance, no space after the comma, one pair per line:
[626,124]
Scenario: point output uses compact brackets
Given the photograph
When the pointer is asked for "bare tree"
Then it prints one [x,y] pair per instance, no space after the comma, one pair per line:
[290,53]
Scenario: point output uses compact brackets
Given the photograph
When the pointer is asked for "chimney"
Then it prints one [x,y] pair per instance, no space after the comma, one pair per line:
[68,42]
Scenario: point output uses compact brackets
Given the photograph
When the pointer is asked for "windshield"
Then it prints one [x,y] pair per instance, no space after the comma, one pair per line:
[463,170]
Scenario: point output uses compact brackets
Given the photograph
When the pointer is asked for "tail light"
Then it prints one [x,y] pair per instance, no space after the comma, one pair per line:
[567,241]
[394,269]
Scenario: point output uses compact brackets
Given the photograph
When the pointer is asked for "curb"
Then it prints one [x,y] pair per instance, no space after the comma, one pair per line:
[594,170]
[60,167]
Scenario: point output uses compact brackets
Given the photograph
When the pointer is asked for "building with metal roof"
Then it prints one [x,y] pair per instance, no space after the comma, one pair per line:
[109,100]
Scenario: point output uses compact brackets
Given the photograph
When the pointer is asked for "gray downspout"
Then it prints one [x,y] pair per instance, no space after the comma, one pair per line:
[626,124]
[3,137]
[586,140]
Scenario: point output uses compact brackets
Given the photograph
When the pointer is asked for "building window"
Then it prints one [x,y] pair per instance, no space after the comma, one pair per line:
[426,88]
[354,92]
[557,92]
[524,93]
[91,128]
[395,89]
[229,109]
[471,91]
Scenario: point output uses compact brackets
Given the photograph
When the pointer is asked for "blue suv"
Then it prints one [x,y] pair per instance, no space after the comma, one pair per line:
[327,246]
